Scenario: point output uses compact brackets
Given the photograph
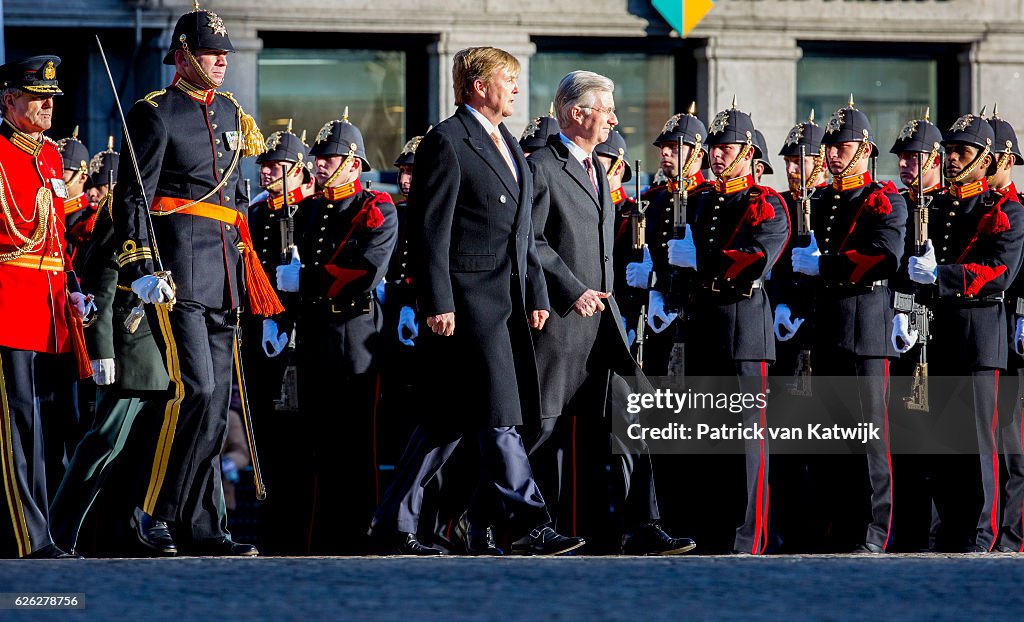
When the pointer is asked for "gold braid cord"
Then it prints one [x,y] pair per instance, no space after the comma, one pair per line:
[864,144]
[970,167]
[747,147]
[344,165]
[1004,159]
[44,205]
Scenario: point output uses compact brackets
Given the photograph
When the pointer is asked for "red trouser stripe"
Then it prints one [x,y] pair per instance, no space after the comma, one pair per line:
[888,455]
[759,525]
[994,514]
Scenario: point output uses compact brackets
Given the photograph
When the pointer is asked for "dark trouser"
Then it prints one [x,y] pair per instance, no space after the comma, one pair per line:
[336,460]
[57,388]
[959,477]
[91,463]
[553,457]
[506,491]
[873,388]
[23,521]
[1011,431]
[185,485]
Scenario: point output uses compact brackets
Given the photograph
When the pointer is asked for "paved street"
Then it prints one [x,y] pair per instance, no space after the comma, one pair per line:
[575,588]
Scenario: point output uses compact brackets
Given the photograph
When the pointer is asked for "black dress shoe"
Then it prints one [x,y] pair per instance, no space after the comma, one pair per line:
[476,541]
[868,548]
[976,548]
[153,533]
[52,551]
[545,541]
[651,539]
[409,544]
[223,547]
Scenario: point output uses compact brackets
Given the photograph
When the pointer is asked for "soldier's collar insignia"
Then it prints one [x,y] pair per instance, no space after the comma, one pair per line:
[694,181]
[836,121]
[851,182]
[20,139]
[671,124]
[49,72]
[618,196]
[963,123]
[531,130]
[966,191]
[720,123]
[732,186]
[908,130]
[200,95]
[795,134]
[337,193]
[216,24]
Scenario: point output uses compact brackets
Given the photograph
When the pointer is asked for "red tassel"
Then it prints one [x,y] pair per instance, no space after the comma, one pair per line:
[994,222]
[878,203]
[77,334]
[982,275]
[263,299]
[374,217]
[760,209]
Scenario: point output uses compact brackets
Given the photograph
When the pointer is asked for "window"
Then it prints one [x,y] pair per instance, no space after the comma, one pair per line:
[644,91]
[313,86]
[890,91]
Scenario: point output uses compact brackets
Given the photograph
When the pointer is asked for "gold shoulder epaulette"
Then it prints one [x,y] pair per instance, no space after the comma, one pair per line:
[149,98]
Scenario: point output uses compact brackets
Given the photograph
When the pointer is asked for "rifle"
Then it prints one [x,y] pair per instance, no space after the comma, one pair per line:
[289,398]
[920,315]
[639,222]
[802,376]
[676,289]
[641,324]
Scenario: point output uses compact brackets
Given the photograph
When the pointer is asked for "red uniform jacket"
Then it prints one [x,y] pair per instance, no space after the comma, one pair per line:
[33,286]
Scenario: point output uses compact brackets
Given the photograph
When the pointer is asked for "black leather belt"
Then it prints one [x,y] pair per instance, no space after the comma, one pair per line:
[970,301]
[729,286]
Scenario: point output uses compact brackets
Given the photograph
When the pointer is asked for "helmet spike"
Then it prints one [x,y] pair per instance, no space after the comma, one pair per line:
[693,109]
[995,111]
[983,110]
[810,118]
[851,100]
[344,117]
[289,130]
[303,137]
[927,113]
[431,126]
[734,101]
[110,143]
[551,111]
[195,5]
[74,133]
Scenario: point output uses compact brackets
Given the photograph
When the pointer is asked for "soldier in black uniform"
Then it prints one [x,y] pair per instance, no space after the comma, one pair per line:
[979,234]
[75,155]
[1011,390]
[266,347]
[346,238]
[919,141]
[612,154]
[735,235]
[860,224]
[189,139]
[762,165]
[661,199]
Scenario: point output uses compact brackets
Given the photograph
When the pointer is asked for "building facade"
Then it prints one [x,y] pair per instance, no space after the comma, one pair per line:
[389,61]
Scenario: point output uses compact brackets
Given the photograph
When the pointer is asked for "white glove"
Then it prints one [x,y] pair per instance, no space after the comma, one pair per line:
[288,275]
[407,324]
[274,341]
[683,253]
[153,290]
[103,372]
[657,319]
[83,305]
[903,339]
[924,269]
[380,291]
[638,274]
[1018,336]
[785,322]
[805,258]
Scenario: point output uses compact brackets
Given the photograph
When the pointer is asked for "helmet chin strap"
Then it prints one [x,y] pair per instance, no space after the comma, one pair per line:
[927,166]
[344,165]
[747,148]
[864,145]
[970,167]
[206,80]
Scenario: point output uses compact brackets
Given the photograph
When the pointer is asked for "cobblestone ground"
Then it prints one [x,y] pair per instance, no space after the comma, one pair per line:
[924,587]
